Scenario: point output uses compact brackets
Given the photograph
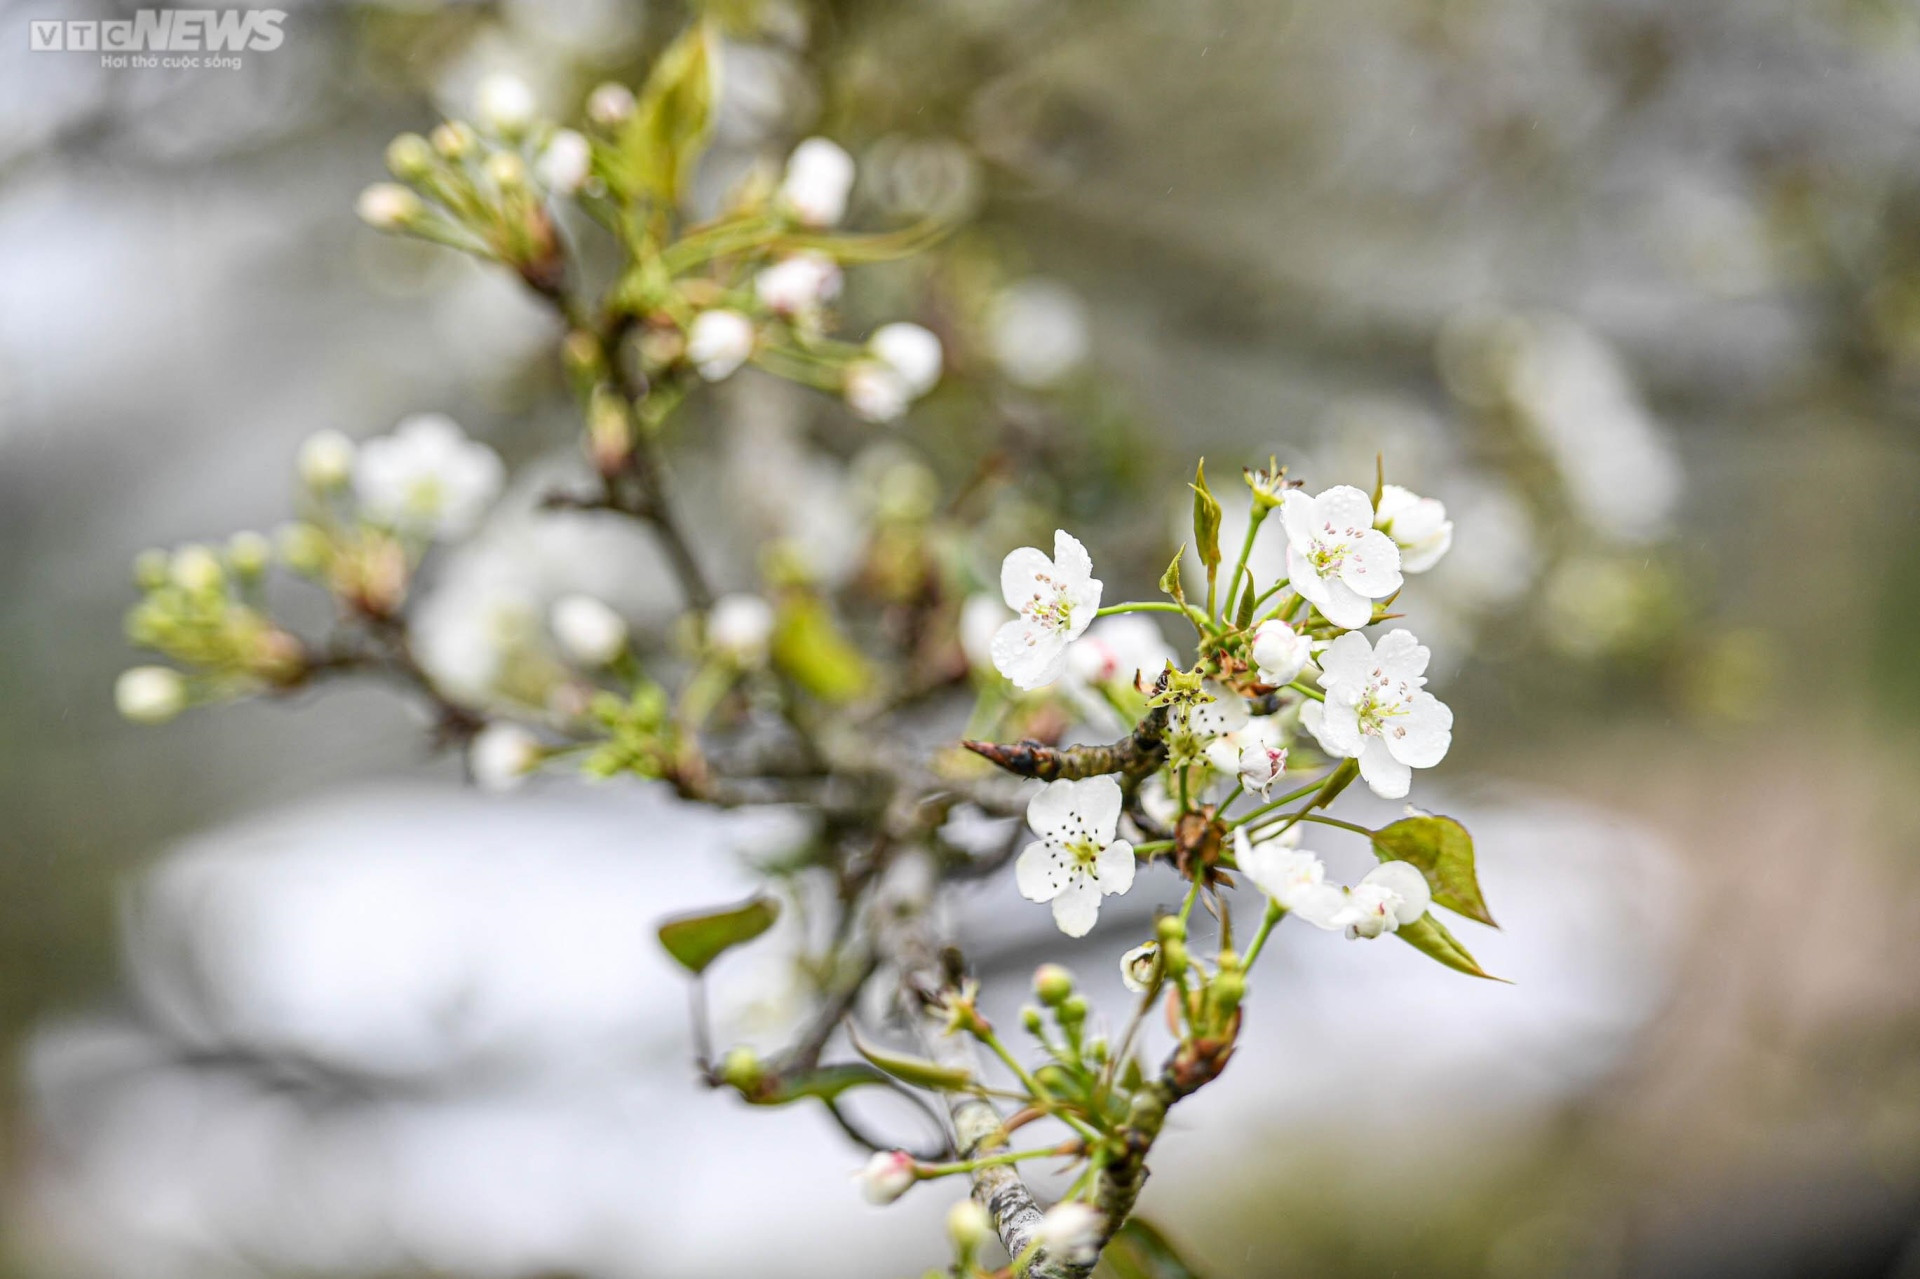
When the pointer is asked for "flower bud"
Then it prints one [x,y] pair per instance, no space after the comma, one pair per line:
[1170,928]
[1140,968]
[249,554]
[886,1176]
[739,627]
[875,392]
[197,569]
[565,162]
[969,1226]
[506,170]
[610,105]
[911,351]
[740,1068]
[1280,652]
[1226,990]
[589,632]
[819,177]
[1173,957]
[150,694]
[1030,1019]
[326,461]
[1073,1232]
[504,104]
[1053,984]
[718,342]
[454,140]
[1073,1009]
[501,755]
[388,206]
[409,157]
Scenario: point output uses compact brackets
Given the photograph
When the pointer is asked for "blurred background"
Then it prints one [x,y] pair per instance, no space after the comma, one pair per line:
[1634,287]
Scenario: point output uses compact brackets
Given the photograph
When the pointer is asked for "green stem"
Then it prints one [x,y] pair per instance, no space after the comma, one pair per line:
[1335,821]
[1258,514]
[1284,800]
[1151,606]
[1238,790]
[1299,687]
[1193,895]
[927,1171]
[1275,913]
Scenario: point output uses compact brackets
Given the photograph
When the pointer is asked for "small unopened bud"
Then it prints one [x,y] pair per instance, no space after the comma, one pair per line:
[1170,928]
[1074,1009]
[150,694]
[887,1176]
[740,1068]
[1073,1233]
[740,627]
[197,569]
[969,1226]
[502,755]
[1173,957]
[610,105]
[388,206]
[1229,961]
[589,632]
[565,163]
[1030,1019]
[1053,984]
[504,105]
[1227,989]
[326,460]
[581,350]
[409,157]
[507,170]
[249,554]
[454,140]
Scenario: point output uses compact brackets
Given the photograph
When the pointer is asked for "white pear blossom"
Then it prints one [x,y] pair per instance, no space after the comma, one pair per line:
[1392,894]
[1292,877]
[387,205]
[719,342]
[503,104]
[150,694]
[886,1176]
[1077,859]
[1072,1232]
[427,475]
[876,391]
[740,626]
[1056,600]
[501,755]
[1336,559]
[1204,721]
[981,618]
[565,162]
[326,460]
[798,284]
[818,180]
[1280,652]
[1377,709]
[589,632]
[1256,753]
[911,351]
[1418,526]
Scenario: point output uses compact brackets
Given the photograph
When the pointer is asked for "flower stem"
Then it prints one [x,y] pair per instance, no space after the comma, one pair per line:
[1284,800]
[1258,514]
[1275,913]
[1300,687]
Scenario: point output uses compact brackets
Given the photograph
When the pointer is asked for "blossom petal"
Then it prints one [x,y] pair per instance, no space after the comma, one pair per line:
[1406,881]
[1346,508]
[1071,559]
[1298,516]
[1313,718]
[1038,874]
[1077,908]
[1424,554]
[1348,660]
[1372,565]
[1304,577]
[1401,656]
[1030,656]
[1020,575]
[1339,729]
[1097,800]
[1389,778]
[1421,737]
[1322,905]
[1344,606]
[1113,869]
[1054,813]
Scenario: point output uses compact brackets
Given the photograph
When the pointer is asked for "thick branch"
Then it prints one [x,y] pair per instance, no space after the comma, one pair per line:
[1135,756]
[978,1128]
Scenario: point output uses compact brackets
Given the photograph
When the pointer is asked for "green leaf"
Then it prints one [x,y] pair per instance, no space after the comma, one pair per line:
[917,1071]
[697,940]
[1379,478]
[810,650]
[661,144]
[824,1082]
[1170,580]
[1206,521]
[1443,851]
[1430,936]
[1139,1251]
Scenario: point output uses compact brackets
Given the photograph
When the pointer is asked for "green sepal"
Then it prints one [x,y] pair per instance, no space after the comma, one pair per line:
[1206,521]
[1429,936]
[917,1071]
